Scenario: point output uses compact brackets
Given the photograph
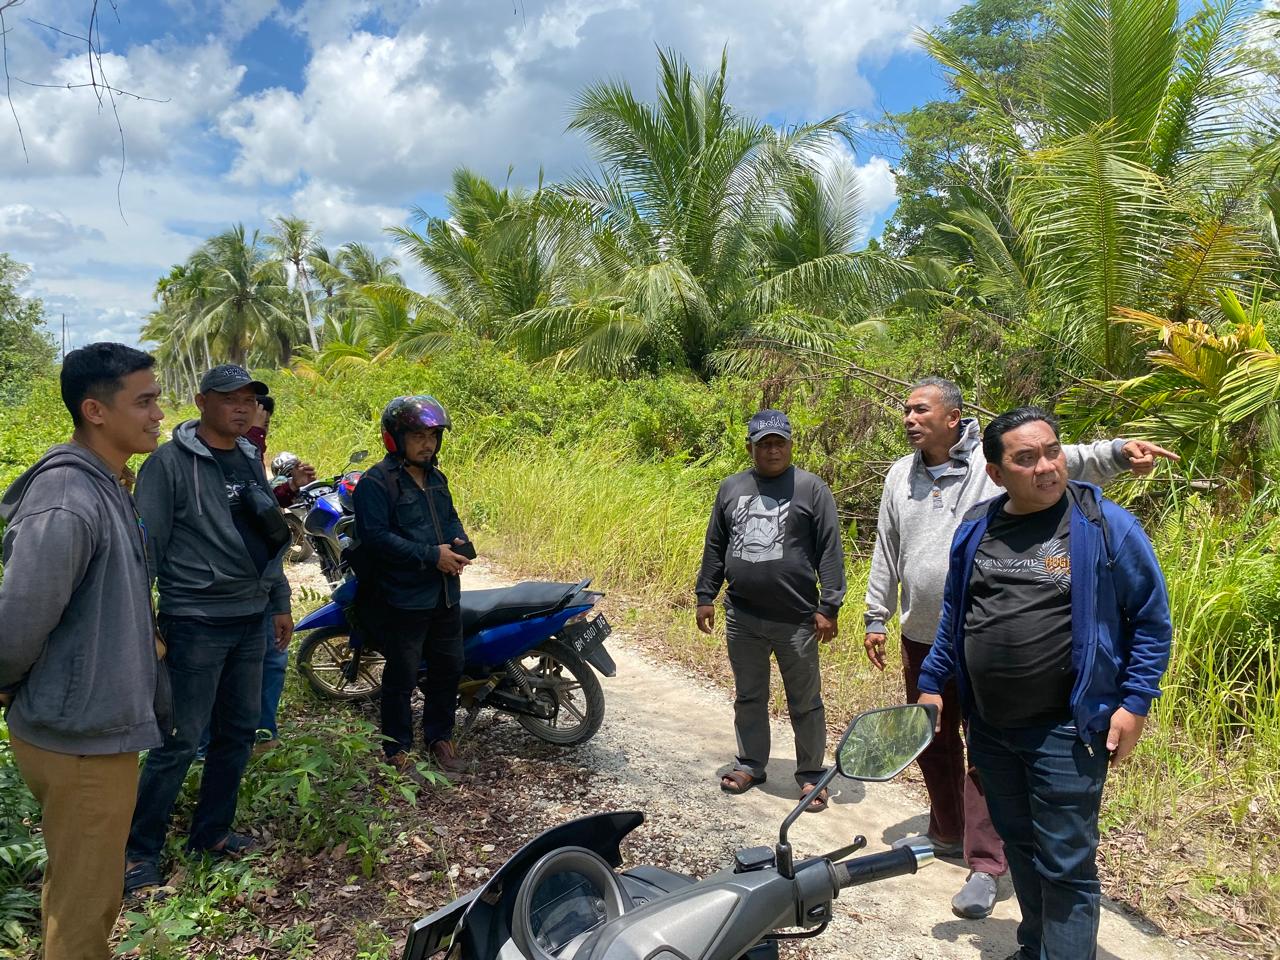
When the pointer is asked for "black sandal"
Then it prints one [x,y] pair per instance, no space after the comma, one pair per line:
[141,878]
[233,846]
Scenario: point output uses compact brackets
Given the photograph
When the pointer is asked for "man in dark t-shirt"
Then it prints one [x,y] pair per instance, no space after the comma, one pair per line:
[223,598]
[1055,626]
[774,538]
[1018,628]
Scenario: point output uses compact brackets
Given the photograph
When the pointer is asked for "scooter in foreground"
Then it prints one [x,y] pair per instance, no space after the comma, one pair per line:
[561,896]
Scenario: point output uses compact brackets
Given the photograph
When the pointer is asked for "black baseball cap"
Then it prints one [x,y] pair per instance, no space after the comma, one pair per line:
[229,376]
[766,422]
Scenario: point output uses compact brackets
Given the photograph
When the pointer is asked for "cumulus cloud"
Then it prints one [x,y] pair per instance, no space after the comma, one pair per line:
[466,82]
[338,216]
[24,229]
[65,131]
[878,185]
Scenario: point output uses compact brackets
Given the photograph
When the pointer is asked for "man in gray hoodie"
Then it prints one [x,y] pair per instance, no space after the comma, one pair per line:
[218,547]
[926,494]
[78,657]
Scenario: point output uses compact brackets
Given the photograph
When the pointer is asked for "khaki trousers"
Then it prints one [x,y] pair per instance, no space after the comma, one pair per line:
[86,804]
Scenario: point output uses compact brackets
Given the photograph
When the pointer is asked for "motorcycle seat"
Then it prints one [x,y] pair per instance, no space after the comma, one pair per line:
[488,608]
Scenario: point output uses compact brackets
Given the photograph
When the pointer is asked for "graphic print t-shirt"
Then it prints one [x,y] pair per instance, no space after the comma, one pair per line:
[1018,626]
[774,539]
[237,474]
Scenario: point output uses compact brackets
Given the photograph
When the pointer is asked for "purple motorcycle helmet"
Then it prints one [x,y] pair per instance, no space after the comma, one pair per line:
[416,412]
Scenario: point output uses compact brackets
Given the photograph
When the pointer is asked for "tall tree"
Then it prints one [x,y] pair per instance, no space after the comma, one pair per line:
[295,242]
[243,298]
[26,348]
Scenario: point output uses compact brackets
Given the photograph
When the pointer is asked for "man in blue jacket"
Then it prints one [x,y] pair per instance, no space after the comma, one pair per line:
[406,520]
[1055,626]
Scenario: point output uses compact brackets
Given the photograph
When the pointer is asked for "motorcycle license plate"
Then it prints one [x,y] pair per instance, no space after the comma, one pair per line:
[585,637]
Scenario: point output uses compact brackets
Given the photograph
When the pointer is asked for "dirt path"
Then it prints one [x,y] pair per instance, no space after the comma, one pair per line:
[666,738]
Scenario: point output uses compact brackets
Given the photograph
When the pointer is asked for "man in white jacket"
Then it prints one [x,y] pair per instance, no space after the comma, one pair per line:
[925,496]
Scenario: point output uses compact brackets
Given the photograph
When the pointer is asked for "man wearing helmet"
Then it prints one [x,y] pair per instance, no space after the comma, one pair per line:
[406,517]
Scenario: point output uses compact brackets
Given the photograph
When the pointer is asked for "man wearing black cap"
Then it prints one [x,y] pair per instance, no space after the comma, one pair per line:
[775,537]
[217,549]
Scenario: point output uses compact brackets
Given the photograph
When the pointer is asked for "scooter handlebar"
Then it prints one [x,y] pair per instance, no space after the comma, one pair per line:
[882,866]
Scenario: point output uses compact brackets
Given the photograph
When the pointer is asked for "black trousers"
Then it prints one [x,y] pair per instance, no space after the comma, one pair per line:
[423,648]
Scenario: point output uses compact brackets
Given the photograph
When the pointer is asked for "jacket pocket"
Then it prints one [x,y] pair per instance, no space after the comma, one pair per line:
[410,518]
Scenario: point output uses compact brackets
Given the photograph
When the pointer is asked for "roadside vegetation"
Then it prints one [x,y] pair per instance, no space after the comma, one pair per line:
[1091,220]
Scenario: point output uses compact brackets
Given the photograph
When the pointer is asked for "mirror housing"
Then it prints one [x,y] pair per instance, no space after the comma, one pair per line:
[880,744]
[906,731]
[358,456]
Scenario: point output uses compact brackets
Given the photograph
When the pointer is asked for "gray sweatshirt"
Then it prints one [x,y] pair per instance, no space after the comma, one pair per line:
[919,516]
[201,566]
[76,638]
[774,539]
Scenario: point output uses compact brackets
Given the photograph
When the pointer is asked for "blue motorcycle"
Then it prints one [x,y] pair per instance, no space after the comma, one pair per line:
[530,652]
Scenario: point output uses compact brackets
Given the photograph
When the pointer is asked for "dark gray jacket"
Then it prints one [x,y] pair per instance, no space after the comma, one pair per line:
[201,566]
[76,637]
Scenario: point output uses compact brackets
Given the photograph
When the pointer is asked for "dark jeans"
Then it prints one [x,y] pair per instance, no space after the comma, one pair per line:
[275,664]
[1044,788]
[412,639]
[957,805]
[216,671]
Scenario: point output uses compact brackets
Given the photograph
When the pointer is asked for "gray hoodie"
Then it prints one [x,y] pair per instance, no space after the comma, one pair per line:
[919,516]
[76,637]
[201,566]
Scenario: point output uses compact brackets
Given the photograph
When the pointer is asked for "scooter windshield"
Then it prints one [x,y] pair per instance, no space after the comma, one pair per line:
[480,922]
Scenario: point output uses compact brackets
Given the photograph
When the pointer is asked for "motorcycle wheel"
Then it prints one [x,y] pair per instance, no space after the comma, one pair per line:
[301,550]
[558,674]
[323,659]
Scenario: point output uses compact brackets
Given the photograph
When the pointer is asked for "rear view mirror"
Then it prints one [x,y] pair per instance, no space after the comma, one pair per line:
[880,744]
[358,456]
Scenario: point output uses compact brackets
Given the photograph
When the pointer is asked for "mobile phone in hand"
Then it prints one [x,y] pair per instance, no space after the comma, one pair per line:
[465,549]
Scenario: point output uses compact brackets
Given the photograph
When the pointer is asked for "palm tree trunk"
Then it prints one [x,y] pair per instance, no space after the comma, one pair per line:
[306,306]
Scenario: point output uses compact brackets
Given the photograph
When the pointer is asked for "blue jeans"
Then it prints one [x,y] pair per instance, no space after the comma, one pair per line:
[1044,789]
[216,672]
[274,664]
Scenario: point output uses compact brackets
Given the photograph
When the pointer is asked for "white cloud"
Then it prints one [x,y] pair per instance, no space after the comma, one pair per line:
[468,83]
[24,229]
[66,131]
[878,185]
[336,214]
[396,94]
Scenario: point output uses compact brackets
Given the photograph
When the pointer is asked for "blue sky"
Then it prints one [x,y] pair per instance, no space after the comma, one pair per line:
[348,112]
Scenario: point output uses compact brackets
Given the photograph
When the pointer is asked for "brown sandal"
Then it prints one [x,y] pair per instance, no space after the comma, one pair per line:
[818,803]
[739,781]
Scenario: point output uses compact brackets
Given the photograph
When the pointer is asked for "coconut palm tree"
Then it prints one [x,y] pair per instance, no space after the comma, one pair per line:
[295,242]
[498,254]
[1130,181]
[674,230]
[243,298]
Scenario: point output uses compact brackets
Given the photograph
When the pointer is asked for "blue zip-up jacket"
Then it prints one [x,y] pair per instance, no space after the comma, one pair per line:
[1121,632]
